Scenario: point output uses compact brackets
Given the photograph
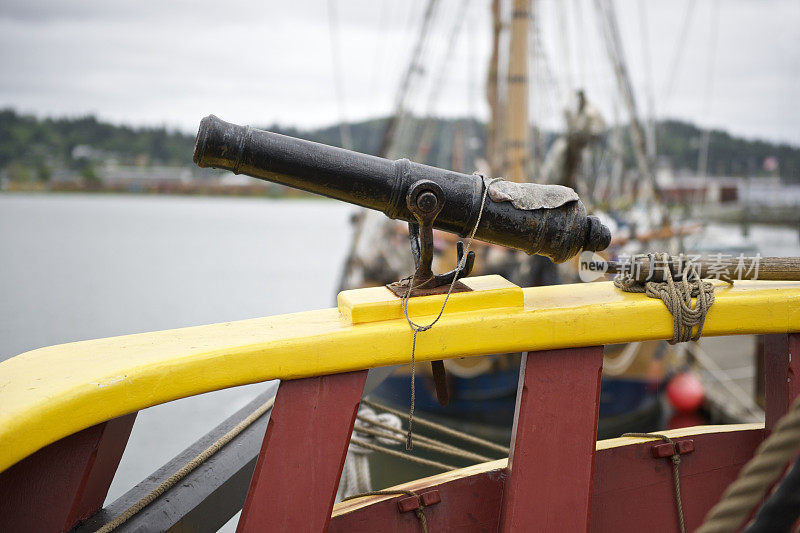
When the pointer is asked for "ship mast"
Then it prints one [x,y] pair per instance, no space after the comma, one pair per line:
[648,189]
[517,131]
[493,125]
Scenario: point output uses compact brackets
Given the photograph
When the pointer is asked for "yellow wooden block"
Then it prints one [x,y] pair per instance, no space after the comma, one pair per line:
[375,304]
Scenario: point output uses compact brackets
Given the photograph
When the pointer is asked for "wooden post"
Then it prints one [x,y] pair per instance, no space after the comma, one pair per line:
[65,482]
[781,375]
[550,468]
[298,470]
[516,141]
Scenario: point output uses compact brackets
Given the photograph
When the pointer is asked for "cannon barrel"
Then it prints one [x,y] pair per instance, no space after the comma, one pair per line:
[558,232]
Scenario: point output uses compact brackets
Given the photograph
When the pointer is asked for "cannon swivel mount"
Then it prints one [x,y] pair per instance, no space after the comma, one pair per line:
[425,199]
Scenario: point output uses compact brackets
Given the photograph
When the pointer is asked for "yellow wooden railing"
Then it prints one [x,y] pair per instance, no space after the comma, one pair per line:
[52,392]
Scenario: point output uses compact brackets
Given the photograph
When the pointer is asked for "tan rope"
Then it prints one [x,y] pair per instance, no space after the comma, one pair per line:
[407,457]
[417,328]
[187,468]
[441,428]
[419,511]
[677,297]
[445,450]
[423,438]
[676,461]
[757,476]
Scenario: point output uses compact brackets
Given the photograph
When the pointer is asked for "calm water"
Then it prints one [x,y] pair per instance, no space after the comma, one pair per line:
[78,267]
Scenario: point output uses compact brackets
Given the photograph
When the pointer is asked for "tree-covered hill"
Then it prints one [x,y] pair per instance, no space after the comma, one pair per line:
[679,142]
[32,148]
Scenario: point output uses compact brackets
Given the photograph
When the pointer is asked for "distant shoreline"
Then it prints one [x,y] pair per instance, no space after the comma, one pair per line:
[248,191]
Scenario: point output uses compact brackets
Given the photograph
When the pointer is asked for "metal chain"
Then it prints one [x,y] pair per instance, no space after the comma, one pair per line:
[417,328]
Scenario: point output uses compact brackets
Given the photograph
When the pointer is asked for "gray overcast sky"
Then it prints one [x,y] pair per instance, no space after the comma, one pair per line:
[172,62]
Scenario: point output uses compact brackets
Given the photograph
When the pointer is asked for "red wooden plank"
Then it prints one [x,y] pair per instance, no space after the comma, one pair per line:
[65,482]
[553,441]
[634,491]
[781,374]
[100,472]
[468,505]
[298,470]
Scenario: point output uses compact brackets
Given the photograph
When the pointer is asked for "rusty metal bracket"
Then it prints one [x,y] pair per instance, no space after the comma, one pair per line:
[425,200]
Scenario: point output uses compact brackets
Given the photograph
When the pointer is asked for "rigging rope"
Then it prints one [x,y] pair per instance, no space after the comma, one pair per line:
[677,297]
[422,442]
[187,468]
[424,132]
[441,428]
[414,70]
[356,477]
[702,158]
[676,461]
[407,457]
[757,476]
[647,67]
[419,511]
[680,46]
[417,328]
[782,508]
[338,82]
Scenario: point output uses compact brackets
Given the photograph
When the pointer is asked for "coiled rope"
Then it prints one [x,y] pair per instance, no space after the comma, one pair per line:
[677,297]
[757,476]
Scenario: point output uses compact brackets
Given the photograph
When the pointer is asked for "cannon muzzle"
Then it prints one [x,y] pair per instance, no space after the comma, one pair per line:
[547,220]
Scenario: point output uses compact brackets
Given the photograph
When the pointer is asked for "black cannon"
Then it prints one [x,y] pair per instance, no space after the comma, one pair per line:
[547,220]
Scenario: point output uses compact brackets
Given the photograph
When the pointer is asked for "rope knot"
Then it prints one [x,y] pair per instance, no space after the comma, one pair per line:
[676,461]
[676,292]
[419,511]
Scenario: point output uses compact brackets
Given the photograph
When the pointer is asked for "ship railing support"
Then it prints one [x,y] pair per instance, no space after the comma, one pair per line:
[548,483]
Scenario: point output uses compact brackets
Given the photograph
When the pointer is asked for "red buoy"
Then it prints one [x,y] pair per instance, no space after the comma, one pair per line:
[685,392]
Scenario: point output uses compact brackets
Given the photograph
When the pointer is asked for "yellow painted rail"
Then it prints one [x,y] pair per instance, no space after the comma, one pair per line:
[49,393]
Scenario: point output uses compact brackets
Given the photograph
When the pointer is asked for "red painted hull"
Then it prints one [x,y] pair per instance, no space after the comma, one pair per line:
[557,478]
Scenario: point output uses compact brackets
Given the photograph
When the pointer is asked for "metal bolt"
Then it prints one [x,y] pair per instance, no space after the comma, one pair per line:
[427,201]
